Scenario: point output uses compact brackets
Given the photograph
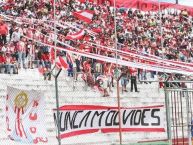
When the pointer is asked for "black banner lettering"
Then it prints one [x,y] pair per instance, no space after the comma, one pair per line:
[100,118]
[154,116]
[143,117]
[109,120]
[85,119]
[137,118]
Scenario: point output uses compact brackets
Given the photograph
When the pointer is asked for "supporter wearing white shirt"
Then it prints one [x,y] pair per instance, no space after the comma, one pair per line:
[16,36]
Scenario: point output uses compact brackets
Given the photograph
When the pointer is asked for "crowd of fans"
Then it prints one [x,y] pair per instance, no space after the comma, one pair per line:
[137,31]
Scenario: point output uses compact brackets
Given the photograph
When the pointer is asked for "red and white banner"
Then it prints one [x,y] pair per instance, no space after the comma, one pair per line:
[160,68]
[75,36]
[24,116]
[81,119]
[149,5]
[153,63]
[85,15]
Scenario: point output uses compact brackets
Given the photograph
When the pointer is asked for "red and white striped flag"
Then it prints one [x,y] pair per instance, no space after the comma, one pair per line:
[58,65]
[63,63]
[85,15]
[69,58]
[76,36]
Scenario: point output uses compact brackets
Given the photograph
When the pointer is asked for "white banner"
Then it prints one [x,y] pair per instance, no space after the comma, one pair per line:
[81,119]
[25,115]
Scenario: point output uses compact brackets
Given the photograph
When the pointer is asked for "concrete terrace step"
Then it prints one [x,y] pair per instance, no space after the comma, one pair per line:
[76,93]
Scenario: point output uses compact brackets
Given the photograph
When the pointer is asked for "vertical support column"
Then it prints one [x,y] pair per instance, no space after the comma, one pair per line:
[168,117]
[57,106]
[56,74]
[118,91]
[188,118]
[119,110]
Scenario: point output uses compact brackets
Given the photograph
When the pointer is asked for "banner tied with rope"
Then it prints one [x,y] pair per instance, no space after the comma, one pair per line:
[83,119]
[24,116]
[151,63]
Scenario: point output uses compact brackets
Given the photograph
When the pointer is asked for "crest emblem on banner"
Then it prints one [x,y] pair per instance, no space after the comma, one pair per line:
[21,100]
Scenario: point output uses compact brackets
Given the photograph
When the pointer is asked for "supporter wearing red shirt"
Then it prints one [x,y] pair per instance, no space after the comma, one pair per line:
[9,63]
[46,60]
[2,58]
[2,61]
[45,57]
[87,66]
[3,32]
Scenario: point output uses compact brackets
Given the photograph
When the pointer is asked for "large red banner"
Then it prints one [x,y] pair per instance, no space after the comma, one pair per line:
[144,5]
[150,5]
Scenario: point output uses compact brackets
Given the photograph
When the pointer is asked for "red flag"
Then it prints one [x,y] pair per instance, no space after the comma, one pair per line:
[75,36]
[63,62]
[85,15]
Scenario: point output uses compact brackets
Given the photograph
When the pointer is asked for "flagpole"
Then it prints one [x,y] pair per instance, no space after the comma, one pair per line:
[161,31]
[56,77]
[118,91]
[55,35]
